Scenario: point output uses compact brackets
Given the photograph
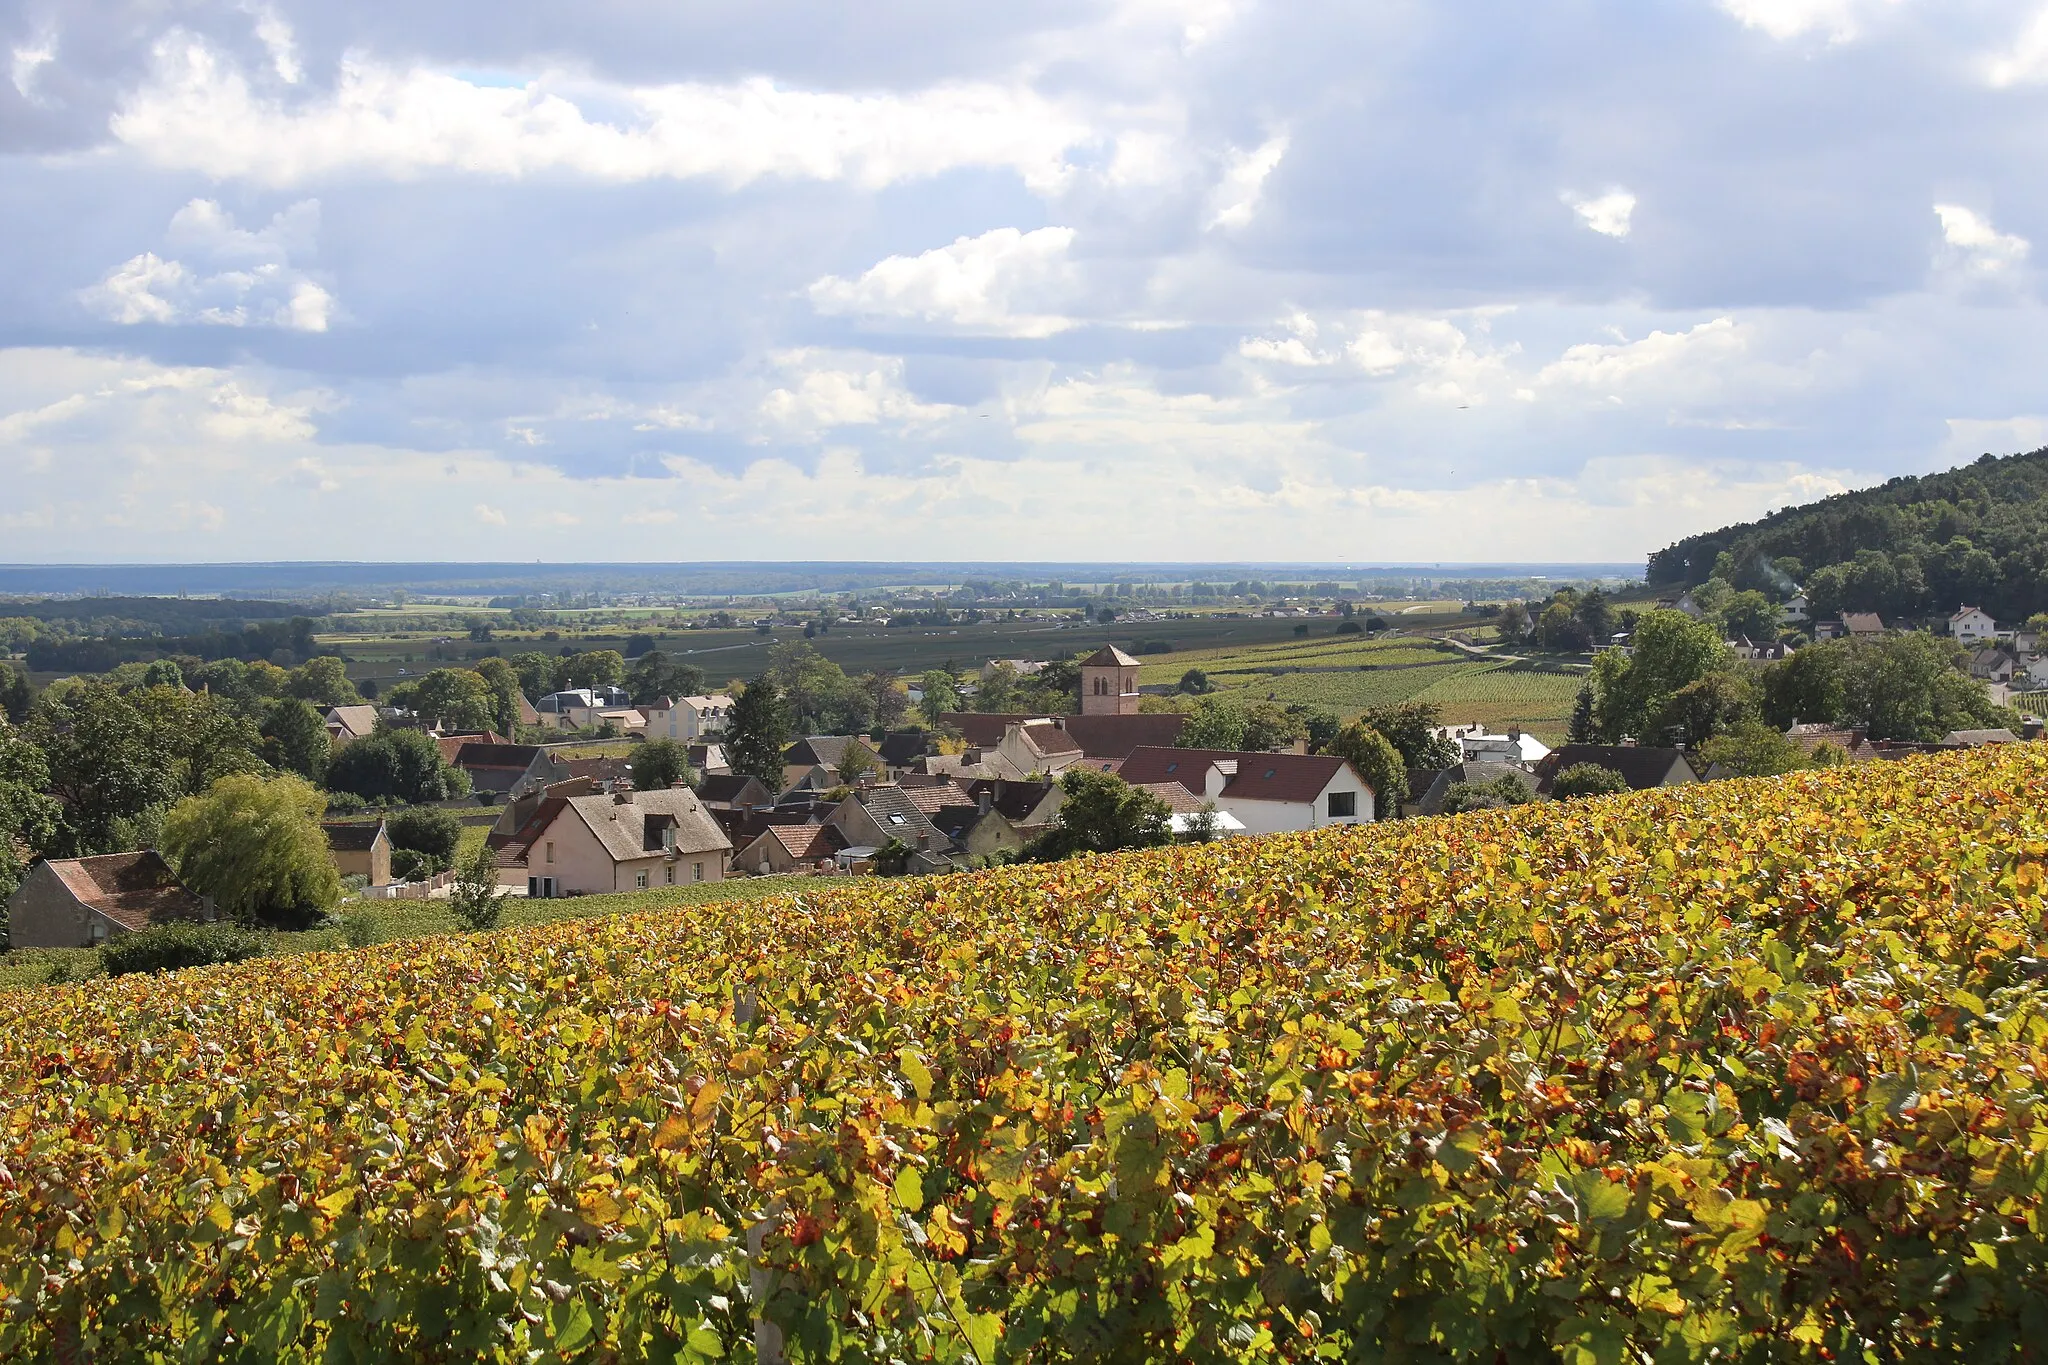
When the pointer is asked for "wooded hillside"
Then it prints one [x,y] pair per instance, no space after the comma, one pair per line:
[1914,545]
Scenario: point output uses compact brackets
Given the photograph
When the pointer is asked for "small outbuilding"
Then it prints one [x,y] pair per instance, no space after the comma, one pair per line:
[79,902]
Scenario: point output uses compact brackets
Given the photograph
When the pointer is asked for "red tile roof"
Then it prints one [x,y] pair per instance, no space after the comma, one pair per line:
[1259,777]
[1098,736]
[1109,656]
[134,890]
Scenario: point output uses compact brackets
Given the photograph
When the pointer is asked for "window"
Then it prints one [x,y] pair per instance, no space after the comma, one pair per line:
[670,870]
[640,881]
[1343,805]
[551,850]
[700,871]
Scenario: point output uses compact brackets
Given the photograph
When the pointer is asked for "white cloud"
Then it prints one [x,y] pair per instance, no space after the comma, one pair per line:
[489,515]
[200,112]
[2027,60]
[1237,198]
[27,61]
[276,36]
[1975,244]
[1682,367]
[1442,361]
[1608,214]
[1783,19]
[829,392]
[260,289]
[981,284]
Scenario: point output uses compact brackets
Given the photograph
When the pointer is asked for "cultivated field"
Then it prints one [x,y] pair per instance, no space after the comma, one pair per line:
[1740,1070]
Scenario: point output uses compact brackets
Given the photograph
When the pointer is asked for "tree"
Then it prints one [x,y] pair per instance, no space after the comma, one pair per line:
[1750,614]
[1213,724]
[1581,730]
[255,845]
[17,697]
[197,737]
[1587,779]
[1201,826]
[504,684]
[655,675]
[295,739]
[857,762]
[598,668]
[28,818]
[324,682]
[1668,650]
[1101,813]
[539,674]
[820,698]
[1318,724]
[1498,794]
[660,764]
[1596,616]
[1512,623]
[1411,727]
[639,645]
[458,698]
[941,695]
[758,731]
[1912,687]
[1753,749]
[427,830]
[1704,708]
[1268,727]
[1379,764]
[102,761]
[475,898]
[885,700]
[396,765]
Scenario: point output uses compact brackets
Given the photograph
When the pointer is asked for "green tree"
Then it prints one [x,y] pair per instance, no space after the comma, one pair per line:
[1379,764]
[1101,813]
[324,682]
[1587,779]
[1213,724]
[539,674]
[1194,682]
[998,693]
[758,731]
[396,765]
[660,764]
[17,696]
[1806,687]
[199,738]
[458,698]
[1498,794]
[103,763]
[475,897]
[655,675]
[1512,623]
[1268,727]
[1411,727]
[1318,724]
[1596,616]
[941,695]
[1581,730]
[1753,749]
[1668,650]
[1751,615]
[428,830]
[504,684]
[1912,687]
[1704,708]
[820,698]
[295,739]
[255,845]
[28,818]
[597,668]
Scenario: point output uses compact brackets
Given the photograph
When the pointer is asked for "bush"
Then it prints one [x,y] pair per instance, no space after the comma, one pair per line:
[359,929]
[1350,628]
[429,830]
[411,865]
[1587,779]
[170,947]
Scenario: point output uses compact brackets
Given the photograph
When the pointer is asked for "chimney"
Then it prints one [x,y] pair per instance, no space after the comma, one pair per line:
[984,801]
[622,797]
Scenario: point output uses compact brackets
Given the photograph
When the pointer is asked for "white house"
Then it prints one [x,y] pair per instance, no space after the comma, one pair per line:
[1971,626]
[1477,745]
[1268,793]
[629,841]
[687,718]
[578,707]
[1795,610]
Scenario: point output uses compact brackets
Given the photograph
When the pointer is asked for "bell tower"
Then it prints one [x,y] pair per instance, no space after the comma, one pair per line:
[1109,683]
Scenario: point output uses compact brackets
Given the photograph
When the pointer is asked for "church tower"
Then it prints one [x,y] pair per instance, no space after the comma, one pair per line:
[1109,683]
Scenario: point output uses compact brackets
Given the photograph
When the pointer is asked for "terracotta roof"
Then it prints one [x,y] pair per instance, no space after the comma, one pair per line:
[1109,656]
[807,843]
[1178,799]
[1640,767]
[513,848]
[1098,736]
[451,745]
[357,720]
[1259,777]
[134,890]
[1047,740]
[351,836]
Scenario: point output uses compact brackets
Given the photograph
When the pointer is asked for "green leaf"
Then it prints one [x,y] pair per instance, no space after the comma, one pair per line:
[569,1325]
[909,1188]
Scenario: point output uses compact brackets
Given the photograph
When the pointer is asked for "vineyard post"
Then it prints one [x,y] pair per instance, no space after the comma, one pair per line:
[760,1285]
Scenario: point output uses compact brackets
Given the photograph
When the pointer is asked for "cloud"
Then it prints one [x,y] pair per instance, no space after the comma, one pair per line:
[1782,19]
[978,284]
[261,289]
[1662,364]
[829,391]
[201,112]
[2027,60]
[1608,214]
[1237,198]
[489,515]
[1975,244]
[26,61]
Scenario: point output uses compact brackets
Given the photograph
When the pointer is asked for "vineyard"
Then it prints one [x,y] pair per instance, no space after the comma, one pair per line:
[1743,1070]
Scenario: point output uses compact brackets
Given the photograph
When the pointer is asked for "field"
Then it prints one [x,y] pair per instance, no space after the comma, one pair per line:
[1349,674]
[1743,1070]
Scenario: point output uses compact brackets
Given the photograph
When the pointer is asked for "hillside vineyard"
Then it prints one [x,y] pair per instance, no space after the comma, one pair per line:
[1746,1067]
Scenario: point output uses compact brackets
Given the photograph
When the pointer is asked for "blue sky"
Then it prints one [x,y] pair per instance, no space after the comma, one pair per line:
[1160,279]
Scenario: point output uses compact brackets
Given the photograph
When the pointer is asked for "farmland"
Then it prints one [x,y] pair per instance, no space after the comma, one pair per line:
[1747,1069]
[1349,674]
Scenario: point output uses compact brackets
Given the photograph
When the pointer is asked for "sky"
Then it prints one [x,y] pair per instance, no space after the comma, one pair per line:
[1136,280]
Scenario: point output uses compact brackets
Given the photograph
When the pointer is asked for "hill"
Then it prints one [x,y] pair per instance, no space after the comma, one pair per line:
[1743,1070]
[1913,546]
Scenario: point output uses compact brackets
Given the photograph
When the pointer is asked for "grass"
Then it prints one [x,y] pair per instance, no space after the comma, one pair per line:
[394,921]
[1540,703]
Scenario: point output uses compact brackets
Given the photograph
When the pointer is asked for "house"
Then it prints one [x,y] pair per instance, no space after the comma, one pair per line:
[1642,768]
[799,781]
[1109,683]
[346,724]
[1972,626]
[577,708]
[978,830]
[2036,669]
[1977,738]
[627,841]
[627,720]
[78,902]
[526,714]
[1991,665]
[1032,749]
[1862,625]
[1479,746]
[790,848]
[1029,805]
[1187,808]
[1683,602]
[450,745]
[500,771]
[688,718]
[1795,610]
[708,758]
[837,752]
[734,791]
[1268,792]
[359,849]
[901,748]
[873,816]
[1430,798]
[1107,736]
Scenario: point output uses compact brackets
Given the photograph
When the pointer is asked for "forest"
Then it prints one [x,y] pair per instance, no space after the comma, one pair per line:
[1914,546]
